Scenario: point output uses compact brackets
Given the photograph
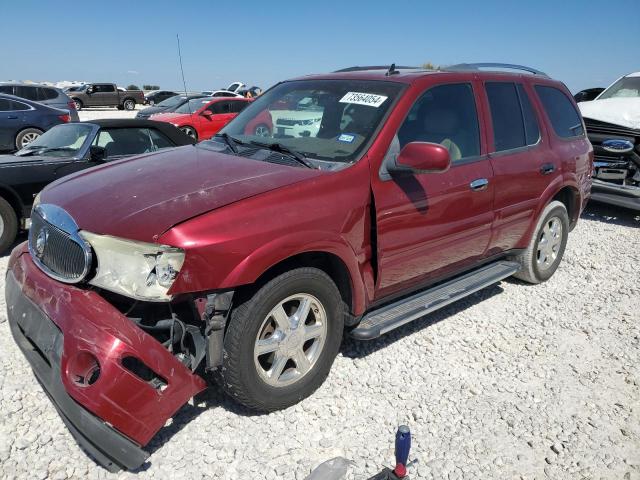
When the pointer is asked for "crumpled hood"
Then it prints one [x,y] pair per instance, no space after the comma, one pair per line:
[141,197]
[619,111]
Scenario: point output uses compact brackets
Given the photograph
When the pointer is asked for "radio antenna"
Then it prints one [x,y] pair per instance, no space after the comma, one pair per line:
[184,82]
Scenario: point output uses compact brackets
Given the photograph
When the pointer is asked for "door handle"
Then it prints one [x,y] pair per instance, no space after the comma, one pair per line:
[547,168]
[479,184]
[12,117]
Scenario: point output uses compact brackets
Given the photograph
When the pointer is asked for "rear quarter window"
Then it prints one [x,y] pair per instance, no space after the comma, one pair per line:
[563,116]
[47,94]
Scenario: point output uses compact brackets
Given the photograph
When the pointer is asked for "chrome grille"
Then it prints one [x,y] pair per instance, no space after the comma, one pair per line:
[55,245]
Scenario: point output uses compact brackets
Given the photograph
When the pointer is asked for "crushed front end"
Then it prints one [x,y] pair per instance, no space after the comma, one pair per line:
[115,368]
[617,163]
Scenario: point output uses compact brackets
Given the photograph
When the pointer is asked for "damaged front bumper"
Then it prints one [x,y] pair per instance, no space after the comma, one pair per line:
[79,347]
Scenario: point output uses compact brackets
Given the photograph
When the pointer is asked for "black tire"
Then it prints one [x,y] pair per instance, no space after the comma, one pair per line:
[120,107]
[8,225]
[190,131]
[533,270]
[239,375]
[78,103]
[129,104]
[26,136]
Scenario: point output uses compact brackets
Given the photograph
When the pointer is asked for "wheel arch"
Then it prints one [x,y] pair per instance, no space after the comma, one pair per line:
[570,197]
[13,199]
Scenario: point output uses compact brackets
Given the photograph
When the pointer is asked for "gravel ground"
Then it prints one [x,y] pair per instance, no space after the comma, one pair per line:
[517,381]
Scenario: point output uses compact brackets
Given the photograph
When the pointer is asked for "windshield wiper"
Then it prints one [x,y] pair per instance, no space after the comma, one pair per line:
[280,148]
[230,141]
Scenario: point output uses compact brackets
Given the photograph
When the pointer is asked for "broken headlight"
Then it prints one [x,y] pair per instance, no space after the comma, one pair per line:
[144,271]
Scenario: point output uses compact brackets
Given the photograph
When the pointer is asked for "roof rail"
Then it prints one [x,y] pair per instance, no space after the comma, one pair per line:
[509,66]
[374,67]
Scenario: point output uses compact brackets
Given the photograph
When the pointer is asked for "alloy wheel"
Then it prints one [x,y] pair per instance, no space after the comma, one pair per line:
[549,243]
[27,138]
[290,340]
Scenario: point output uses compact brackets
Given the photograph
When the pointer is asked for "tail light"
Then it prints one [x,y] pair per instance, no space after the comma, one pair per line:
[71,104]
[65,118]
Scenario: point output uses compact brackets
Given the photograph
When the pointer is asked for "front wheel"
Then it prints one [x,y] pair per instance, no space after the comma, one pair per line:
[280,343]
[545,250]
[8,225]
[129,104]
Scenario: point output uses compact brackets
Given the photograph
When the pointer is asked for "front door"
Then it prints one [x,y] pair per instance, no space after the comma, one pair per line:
[434,224]
[104,94]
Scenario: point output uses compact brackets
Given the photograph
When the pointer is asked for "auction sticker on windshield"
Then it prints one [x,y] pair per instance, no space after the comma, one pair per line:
[369,99]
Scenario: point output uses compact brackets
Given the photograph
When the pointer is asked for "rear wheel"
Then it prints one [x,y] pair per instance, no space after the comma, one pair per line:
[26,136]
[129,104]
[78,104]
[190,131]
[280,343]
[543,255]
[8,225]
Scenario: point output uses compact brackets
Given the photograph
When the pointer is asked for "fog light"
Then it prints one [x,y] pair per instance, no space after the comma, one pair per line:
[83,369]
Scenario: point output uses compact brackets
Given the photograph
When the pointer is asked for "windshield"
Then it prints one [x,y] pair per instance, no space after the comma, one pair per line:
[627,87]
[172,101]
[192,105]
[323,119]
[60,141]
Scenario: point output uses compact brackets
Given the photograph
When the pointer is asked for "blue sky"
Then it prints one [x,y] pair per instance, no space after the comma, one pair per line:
[583,43]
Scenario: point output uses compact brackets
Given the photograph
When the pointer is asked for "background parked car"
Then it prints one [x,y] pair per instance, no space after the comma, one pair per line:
[22,121]
[587,94]
[202,118]
[106,95]
[158,96]
[613,126]
[66,149]
[168,105]
[51,96]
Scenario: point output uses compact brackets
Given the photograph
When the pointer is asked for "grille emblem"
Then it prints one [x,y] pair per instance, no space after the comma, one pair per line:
[617,145]
[41,242]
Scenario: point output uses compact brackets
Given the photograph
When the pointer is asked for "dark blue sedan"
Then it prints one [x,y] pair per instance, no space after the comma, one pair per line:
[22,121]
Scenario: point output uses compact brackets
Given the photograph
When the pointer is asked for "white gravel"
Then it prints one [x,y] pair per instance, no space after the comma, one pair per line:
[517,381]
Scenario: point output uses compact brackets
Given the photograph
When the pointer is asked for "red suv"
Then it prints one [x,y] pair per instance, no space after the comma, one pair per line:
[377,197]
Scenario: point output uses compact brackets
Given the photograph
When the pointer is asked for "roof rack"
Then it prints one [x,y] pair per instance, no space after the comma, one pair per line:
[509,66]
[374,67]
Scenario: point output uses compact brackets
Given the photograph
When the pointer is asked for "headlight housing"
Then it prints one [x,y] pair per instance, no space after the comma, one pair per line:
[144,271]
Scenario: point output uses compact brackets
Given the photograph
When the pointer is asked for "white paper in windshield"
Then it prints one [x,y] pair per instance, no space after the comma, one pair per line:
[369,99]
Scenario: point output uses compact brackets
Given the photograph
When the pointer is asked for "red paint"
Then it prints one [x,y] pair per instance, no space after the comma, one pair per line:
[206,125]
[236,218]
[92,325]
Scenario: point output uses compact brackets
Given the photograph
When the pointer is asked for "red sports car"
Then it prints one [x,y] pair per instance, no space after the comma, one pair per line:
[202,118]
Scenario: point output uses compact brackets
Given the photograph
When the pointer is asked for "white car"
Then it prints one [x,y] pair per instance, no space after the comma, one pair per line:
[613,126]
[220,93]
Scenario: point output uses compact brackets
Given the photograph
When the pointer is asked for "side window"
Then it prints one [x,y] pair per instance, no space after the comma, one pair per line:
[221,107]
[238,106]
[124,141]
[531,127]
[506,116]
[30,93]
[103,88]
[564,118]
[47,93]
[158,139]
[445,114]
[18,106]
[8,89]
[5,105]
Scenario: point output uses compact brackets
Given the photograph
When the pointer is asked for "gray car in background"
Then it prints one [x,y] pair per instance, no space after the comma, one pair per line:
[50,96]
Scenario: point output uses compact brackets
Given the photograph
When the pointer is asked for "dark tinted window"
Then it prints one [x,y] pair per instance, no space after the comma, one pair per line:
[47,94]
[447,115]
[5,105]
[30,93]
[238,106]
[131,141]
[221,107]
[563,116]
[506,116]
[19,105]
[6,89]
[531,128]
[103,88]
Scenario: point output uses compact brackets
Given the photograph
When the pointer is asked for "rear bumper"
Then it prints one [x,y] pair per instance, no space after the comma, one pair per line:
[56,326]
[618,195]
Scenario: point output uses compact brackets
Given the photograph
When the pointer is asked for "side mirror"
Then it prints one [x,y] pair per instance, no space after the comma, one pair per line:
[207,113]
[97,154]
[421,157]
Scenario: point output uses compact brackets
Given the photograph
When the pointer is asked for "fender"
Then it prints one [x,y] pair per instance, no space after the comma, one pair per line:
[9,194]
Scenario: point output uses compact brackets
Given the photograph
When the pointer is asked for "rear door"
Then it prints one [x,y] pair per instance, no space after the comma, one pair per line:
[11,119]
[431,225]
[519,148]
